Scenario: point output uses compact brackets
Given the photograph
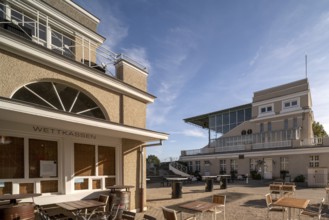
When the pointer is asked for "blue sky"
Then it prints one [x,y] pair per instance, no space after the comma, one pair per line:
[204,56]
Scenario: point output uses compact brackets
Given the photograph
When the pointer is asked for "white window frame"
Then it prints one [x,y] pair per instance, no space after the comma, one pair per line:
[290,106]
[268,110]
[234,164]
[314,161]
[284,162]
[222,165]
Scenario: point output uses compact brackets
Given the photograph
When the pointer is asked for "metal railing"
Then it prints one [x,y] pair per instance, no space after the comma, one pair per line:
[49,33]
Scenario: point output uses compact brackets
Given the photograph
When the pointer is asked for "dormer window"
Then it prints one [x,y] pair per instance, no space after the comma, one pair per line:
[291,105]
[266,110]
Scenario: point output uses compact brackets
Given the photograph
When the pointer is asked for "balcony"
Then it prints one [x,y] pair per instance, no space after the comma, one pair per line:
[256,142]
[43,30]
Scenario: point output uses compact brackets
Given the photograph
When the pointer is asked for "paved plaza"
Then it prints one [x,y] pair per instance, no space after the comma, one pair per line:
[244,201]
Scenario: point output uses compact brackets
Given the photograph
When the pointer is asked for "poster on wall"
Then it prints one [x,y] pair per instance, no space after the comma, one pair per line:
[48,168]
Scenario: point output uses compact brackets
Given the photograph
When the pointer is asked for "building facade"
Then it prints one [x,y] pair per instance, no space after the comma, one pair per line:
[271,136]
[70,126]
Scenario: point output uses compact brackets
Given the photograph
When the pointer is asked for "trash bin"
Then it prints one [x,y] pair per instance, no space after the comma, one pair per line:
[209,185]
[176,190]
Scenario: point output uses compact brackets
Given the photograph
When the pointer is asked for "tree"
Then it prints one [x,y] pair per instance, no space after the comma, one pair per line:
[318,130]
[153,159]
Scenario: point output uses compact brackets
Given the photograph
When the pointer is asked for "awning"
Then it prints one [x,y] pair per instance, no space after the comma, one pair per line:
[11,110]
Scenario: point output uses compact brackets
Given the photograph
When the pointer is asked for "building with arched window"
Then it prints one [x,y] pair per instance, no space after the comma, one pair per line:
[267,138]
[70,126]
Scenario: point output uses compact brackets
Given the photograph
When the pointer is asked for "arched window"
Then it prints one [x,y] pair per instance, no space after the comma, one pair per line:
[60,97]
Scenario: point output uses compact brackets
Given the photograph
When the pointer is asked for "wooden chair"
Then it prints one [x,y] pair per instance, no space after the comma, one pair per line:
[221,201]
[148,217]
[313,214]
[271,208]
[127,215]
[170,214]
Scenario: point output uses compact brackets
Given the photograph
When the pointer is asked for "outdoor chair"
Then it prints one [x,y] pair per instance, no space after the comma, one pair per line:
[50,212]
[277,183]
[288,190]
[127,215]
[275,190]
[148,217]
[271,208]
[220,208]
[313,214]
[102,209]
[289,184]
[170,214]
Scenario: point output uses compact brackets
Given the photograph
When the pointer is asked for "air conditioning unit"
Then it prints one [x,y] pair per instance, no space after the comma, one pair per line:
[317,177]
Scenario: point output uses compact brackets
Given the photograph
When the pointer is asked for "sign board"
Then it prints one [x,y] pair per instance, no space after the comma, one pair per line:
[48,168]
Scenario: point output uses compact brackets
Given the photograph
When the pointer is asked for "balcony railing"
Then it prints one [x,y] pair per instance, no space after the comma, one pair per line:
[49,33]
[211,149]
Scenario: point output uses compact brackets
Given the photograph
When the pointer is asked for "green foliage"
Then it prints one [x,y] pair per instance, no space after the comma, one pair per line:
[299,179]
[255,175]
[153,159]
[318,130]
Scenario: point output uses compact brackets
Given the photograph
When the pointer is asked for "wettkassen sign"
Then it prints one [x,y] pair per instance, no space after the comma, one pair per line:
[54,131]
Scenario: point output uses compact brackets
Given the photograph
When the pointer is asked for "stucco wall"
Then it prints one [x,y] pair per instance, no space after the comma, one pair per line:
[73,13]
[131,75]
[131,170]
[134,112]
[17,72]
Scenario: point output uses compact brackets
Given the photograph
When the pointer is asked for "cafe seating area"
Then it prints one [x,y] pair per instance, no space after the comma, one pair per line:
[237,201]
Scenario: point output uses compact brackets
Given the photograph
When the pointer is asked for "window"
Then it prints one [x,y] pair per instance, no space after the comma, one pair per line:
[266,109]
[12,158]
[41,150]
[269,126]
[261,128]
[314,161]
[60,97]
[190,166]
[222,166]
[295,123]
[294,103]
[197,166]
[234,165]
[283,163]
[285,124]
[253,164]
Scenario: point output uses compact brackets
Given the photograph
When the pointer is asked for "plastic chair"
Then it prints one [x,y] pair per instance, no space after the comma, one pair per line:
[221,201]
[271,208]
[313,214]
[170,214]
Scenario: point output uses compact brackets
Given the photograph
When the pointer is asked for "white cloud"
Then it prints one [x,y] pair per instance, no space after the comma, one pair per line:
[139,55]
[191,133]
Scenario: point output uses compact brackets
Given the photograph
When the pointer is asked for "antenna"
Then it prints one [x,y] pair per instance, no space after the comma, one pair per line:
[306,65]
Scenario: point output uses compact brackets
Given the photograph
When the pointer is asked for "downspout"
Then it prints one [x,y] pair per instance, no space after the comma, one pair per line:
[141,186]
